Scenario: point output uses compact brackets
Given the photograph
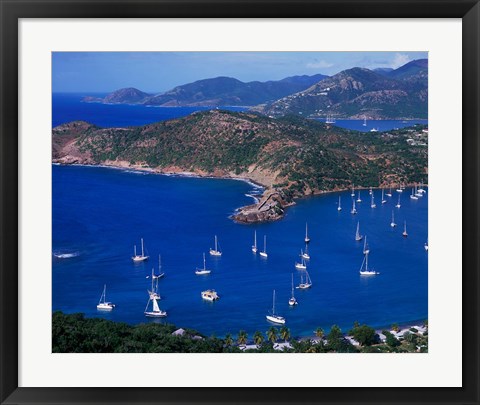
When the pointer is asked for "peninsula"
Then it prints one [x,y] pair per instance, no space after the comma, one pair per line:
[291,157]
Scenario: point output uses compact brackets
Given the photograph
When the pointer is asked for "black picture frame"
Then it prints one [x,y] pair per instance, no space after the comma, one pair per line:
[12,10]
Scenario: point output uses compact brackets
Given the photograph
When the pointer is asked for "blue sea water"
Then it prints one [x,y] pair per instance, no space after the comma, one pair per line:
[68,107]
[100,213]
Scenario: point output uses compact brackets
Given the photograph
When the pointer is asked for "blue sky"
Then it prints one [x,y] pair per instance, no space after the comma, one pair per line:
[154,72]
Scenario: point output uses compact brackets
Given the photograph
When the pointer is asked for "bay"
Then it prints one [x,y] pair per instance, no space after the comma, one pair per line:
[100,213]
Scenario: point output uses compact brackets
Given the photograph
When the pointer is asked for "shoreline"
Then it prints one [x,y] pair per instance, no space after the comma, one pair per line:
[266,190]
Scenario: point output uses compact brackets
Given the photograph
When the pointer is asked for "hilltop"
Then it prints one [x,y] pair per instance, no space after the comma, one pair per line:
[291,156]
[359,92]
[218,91]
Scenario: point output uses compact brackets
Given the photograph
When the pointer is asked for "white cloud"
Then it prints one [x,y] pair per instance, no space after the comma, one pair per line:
[400,59]
[319,65]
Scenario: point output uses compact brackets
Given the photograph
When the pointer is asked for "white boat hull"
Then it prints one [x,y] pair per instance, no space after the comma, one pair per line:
[215,252]
[105,306]
[368,273]
[152,314]
[263,254]
[276,319]
[139,258]
[202,272]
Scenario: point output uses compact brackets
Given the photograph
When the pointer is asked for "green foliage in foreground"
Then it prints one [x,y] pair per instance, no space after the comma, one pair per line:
[73,333]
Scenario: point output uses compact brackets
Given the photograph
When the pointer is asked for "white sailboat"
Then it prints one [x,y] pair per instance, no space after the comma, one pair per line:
[404,233]
[156,312]
[370,191]
[307,239]
[372,204]
[359,199]
[364,271]
[139,258]
[103,305]
[383,198]
[292,301]
[393,224]
[358,237]
[154,291]
[364,121]
[353,190]
[426,246]
[302,265]
[366,248]
[273,317]
[339,208]
[389,194]
[216,251]
[418,193]
[399,189]
[201,272]
[305,284]
[264,253]
[254,247]
[305,254]
[330,119]
[398,204]
[421,190]
[374,130]
[413,196]
[354,210]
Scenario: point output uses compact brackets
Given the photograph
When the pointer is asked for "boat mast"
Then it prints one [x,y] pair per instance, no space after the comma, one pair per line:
[265,244]
[142,248]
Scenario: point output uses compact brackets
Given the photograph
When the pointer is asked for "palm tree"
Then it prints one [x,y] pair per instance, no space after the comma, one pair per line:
[242,337]
[228,340]
[258,338]
[285,333]
[395,327]
[319,333]
[272,334]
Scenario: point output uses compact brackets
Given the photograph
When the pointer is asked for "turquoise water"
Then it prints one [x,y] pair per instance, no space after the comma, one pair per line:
[100,213]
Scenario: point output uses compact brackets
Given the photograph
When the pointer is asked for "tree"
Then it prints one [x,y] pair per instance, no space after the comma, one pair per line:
[319,333]
[285,333]
[228,340]
[258,338]
[395,327]
[363,334]
[390,340]
[242,337]
[272,334]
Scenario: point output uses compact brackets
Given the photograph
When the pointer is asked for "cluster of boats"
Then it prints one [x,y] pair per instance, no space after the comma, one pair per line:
[153,310]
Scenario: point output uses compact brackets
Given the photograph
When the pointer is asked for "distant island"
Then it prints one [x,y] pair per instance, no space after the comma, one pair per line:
[218,91]
[291,157]
[355,93]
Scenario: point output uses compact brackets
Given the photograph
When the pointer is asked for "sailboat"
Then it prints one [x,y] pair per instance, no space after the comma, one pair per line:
[330,119]
[364,271]
[307,239]
[418,193]
[421,190]
[305,254]
[154,291]
[254,247]
[359,199]
[200,272]
[398,204]
[426,246]
[374,130]
[264,253]
[383,198]
[413,196]
[364,121]
[372,204]
[156,312]
[358,237]
[389,194]
[370,191]
[404,233]
[292,301]
[305,284]
[275,318]
[353,190]
[366,249]
[302,265]
[139,258]
[339,208]
[160,274]
[393,224]
[216,251]
[210,295]
[103,305]
[400,189]
[354,210]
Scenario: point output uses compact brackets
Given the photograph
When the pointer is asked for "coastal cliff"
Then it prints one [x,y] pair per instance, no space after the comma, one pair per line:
[291,157]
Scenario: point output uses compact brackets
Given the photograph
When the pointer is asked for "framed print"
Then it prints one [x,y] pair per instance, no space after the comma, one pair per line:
[259,202]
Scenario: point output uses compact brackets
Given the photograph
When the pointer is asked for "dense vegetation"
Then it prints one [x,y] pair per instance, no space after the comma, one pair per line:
[74,333]
[302,156]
